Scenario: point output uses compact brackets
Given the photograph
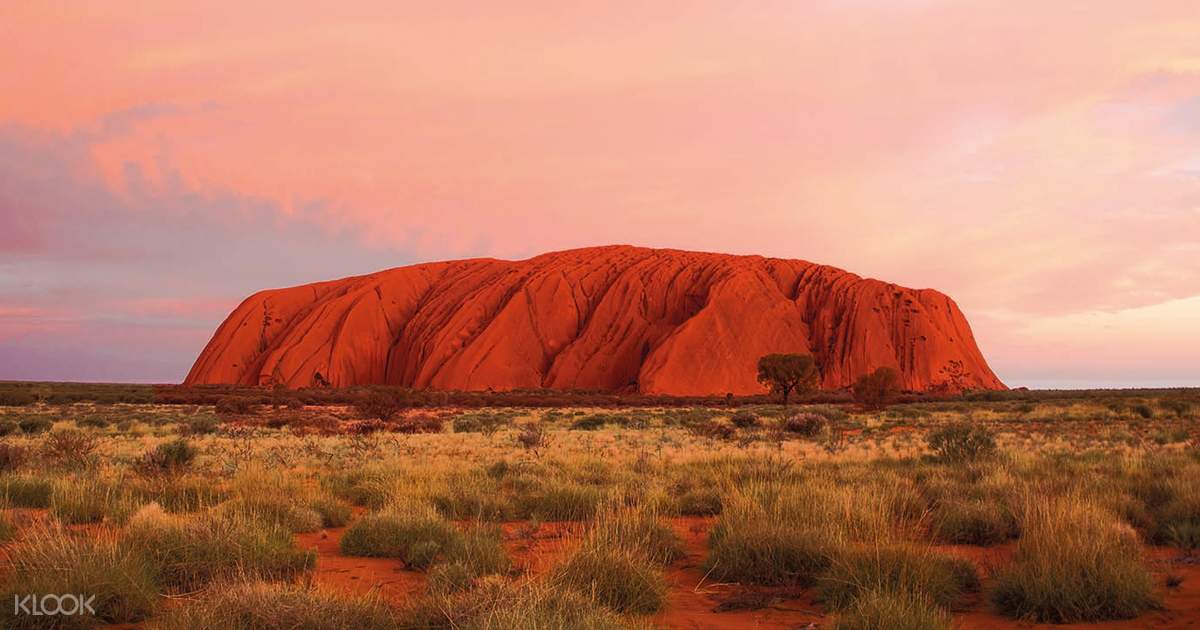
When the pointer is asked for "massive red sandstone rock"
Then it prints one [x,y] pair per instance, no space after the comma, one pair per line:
[613,318]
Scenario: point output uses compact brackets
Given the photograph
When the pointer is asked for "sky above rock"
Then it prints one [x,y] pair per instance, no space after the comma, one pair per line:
[1039,162]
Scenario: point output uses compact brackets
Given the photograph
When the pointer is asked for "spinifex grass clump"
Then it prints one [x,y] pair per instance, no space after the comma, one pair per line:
[497,603]
[700,502]
[639,531]
[557,500]
[176,493]
[276,497]
[89,500]
[968,521]
[876,609]
[617,564]
[51,560]
[1074,562]
[473,497]
[27,491]
[786,532]
[264,606]
[916,572]
[417,534]
[190,552]
[623,580]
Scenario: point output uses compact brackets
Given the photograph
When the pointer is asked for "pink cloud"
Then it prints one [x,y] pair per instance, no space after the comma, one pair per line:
[1033,163]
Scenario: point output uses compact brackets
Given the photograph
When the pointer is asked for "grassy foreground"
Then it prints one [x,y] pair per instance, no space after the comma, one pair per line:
[177,516]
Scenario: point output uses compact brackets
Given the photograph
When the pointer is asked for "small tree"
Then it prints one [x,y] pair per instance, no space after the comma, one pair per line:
[877,389]
[785,373]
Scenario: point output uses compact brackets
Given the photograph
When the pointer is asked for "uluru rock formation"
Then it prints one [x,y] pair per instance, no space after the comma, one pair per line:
[615,318]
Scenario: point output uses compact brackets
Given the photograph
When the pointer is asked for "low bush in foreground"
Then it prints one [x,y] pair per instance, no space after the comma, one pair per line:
[621,580]
[765,553]
[419,537]
[52,560]
[980,522]
[1073,563]
[258,605]
[915,572]
[876,609]
[561,501]
[35,425]
[27,491]
[169,458]
[499,604]
[75,501]
[700,502]
[12,456]
[190,552]
[638,531]
[961,442]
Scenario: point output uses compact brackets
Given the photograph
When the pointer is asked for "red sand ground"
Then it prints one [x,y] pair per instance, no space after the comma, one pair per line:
[613,318]
[693,597]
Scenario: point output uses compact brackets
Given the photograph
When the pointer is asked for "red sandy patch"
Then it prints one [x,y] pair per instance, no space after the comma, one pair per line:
[695,601]
[353,575]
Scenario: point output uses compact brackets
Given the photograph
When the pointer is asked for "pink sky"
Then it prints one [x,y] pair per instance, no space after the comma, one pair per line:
[1039,162]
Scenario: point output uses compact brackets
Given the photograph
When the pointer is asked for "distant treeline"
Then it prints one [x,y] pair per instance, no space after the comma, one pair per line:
[18,393]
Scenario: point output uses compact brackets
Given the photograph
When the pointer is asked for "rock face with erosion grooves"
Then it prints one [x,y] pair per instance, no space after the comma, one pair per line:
[614,318]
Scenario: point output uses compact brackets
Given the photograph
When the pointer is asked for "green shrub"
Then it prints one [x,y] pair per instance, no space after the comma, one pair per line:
[16,398]
[623,581]
[961,442]
[1178,406]
[590,422]
[176,493]
[1184,536]
[93,422]
[805,424]
[235,405]
[168,458]
[35,424]
[744,419]
[382,403]
[200,425]
[486,423]
[1074,563]
[359,488]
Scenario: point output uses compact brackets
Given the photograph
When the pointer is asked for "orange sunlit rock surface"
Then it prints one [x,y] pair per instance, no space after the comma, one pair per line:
[616,318]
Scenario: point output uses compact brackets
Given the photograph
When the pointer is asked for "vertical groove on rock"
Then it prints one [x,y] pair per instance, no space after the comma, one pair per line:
[614,318]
